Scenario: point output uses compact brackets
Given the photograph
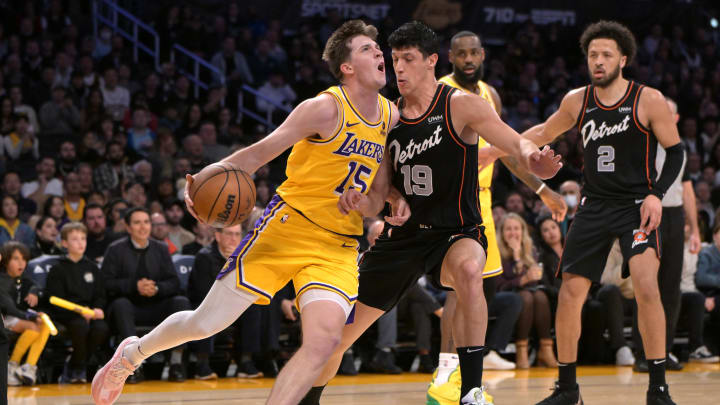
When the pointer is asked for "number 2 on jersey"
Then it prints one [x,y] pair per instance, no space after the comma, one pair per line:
[361,173]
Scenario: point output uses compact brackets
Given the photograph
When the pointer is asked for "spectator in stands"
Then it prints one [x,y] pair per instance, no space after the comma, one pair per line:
[85,178]
[570,190]
[22,146]
[213,151]
[115,210]
[59,116]
[99,236]
[109,175]
[232,64]
[134,193]
[54,207]
[142,284]
[12,186]
[550,244]
[276,92]
[707,280]
[143,173]
[522,274]
[204,236]
[16,95]
[93,111]
[46,183]
[18,294]
[77,279]
[68,158]
[140,137]
[63,70]
[704,205]
[193,150]
[73,200]
[46,236]
[11,227]
[693,306]
[7,116]
[175,212]
[160,231]
[191,122]
[116,99]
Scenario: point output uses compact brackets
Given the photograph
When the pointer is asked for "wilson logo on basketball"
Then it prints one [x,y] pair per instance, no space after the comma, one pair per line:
[225,214]
[639,238]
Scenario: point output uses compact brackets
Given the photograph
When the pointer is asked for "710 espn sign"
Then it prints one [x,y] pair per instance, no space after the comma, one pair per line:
[508,15]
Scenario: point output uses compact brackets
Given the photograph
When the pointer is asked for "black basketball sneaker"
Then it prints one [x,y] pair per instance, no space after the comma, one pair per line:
[659,395]
[566,397]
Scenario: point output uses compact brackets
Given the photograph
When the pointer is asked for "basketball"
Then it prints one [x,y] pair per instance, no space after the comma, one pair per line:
[223,195]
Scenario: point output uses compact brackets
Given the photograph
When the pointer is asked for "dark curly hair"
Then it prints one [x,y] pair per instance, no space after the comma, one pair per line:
[415,34]
[337,49]
[610,30]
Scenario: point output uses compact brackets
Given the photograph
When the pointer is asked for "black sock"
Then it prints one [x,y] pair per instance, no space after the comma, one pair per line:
[471,367]
[657,371]
[567,379]
[313,396]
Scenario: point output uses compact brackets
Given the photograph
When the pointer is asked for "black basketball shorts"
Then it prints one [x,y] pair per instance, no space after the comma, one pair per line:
[596,226]
[398,260]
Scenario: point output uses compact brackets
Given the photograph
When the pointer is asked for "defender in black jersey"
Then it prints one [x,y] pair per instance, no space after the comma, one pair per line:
[621,123]
[433,156]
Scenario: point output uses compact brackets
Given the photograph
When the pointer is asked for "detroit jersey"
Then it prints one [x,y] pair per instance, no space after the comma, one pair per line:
[485,174]
[434,170]
[619,152]
[320,170]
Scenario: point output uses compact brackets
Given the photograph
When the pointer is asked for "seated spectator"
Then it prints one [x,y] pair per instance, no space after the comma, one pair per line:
[160,231]
[18,293]
[212,149]
[175,212]
[46,234]
[204,236]
[232,64]
[21,146]
[54,208]
[12,186]
[143,173]
[11,227]
[68,160]
[707,281]
[99,236]
[94,111]
[59,116]
[45,185]
[693,305]
[109,175]
[116,99]
[522,274]
[85,178]
[142,285]
[115,210]
[77,279]
[194,151]
[420,306]
[135,194]
[570,190]
[16,95]
[276,92]
[7,115]
[140,137]
[73,202]
[191,122]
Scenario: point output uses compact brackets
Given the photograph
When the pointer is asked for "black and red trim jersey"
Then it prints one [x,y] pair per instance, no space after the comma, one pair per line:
[619,152]
[435,171]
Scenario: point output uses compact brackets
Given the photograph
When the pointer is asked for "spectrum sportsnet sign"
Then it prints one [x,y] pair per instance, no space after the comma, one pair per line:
[347,9]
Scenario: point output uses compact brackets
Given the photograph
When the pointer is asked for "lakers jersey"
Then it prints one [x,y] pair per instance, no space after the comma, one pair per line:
[484,175]
[320,170]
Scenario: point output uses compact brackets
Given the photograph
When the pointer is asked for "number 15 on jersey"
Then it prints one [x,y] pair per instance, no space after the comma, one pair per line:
[359,173]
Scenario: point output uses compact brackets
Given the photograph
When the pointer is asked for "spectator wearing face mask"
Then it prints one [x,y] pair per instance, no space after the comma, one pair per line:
[570,190]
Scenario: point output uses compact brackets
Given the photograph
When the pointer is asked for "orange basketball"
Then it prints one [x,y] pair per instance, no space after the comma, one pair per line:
[222,194]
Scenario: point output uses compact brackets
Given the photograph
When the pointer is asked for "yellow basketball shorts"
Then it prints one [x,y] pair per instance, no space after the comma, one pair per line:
[493,264]
[285,246]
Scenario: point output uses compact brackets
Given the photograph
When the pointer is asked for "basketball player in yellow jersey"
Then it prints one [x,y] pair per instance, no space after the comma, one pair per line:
[336,162]
[467,57]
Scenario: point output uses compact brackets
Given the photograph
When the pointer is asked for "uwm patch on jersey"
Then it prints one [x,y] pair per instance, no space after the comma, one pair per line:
[619,151]
[435,171]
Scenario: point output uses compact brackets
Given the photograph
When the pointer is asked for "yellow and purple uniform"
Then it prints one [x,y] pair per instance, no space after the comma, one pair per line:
[493,264]
[302,236]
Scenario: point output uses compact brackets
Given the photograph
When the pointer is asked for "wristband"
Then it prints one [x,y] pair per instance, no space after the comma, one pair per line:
[542,186]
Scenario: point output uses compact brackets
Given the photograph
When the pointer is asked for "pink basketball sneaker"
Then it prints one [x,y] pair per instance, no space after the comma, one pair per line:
[107,385]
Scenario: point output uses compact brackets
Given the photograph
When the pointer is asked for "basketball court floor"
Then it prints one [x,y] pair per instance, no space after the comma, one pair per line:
[698,384]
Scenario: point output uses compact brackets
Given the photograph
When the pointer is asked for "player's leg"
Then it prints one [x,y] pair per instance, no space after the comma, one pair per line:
[651,316]
[364,317]
[462,270]
[448,360]
[571,298]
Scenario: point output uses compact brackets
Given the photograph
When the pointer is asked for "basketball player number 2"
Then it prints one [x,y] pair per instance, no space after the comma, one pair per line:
[417,179]
[605,159]
[361,172]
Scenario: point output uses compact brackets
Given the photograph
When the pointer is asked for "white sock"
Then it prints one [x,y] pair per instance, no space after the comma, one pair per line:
[132,353]
[448,362]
